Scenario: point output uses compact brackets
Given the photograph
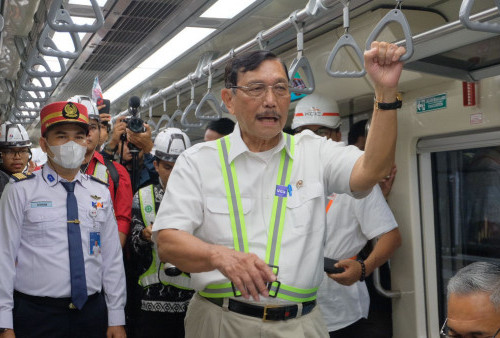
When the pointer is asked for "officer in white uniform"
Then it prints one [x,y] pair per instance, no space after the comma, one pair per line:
[351,223]
[245,214]
[51,284]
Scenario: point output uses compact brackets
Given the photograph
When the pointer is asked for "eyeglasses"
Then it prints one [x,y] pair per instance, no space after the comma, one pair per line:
[445,334]
[12,152]
[259,89]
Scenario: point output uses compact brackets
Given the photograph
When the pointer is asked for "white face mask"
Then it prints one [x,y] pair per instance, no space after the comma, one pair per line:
[69,155]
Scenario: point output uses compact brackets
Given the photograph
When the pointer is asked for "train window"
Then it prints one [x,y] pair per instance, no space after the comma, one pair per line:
[466,188]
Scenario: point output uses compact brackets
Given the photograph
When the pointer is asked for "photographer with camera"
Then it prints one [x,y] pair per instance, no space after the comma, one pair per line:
[131,141]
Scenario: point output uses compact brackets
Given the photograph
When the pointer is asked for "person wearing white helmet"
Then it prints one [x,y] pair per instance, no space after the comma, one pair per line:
[318,114]
[164,289]
[15,150]
[351,223]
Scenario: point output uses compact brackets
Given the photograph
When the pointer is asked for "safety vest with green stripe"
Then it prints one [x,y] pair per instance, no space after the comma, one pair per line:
[276,226]
[155,273]
[100,172]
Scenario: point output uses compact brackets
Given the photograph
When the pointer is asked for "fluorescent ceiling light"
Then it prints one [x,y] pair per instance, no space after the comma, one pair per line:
[180,43]
[226,9]
[101,3]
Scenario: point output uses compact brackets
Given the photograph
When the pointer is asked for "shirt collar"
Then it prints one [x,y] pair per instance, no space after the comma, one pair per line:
[238,146]
[52,177]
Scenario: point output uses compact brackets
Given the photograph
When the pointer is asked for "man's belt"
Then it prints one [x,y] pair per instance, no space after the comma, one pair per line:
[269,312]
[64,303]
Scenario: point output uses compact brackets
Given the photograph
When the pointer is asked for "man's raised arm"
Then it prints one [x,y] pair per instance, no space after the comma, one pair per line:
[384,68]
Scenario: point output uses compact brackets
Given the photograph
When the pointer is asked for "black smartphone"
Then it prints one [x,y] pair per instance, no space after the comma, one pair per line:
[330,266]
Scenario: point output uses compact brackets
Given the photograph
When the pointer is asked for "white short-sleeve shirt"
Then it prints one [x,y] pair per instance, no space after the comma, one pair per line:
[350,224]
[195,201]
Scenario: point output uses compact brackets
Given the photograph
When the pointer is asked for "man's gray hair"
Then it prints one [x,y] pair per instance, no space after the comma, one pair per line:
[477,277]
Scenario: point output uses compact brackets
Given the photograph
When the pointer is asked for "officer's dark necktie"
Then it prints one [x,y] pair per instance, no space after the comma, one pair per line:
[76,263]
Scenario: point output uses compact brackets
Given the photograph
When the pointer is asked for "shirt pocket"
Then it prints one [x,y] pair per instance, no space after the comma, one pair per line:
[300,208]
[217,227]
[93,219]
[43,227]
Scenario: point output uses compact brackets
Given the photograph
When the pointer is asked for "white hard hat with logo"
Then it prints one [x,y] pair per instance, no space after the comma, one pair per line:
[88,103]
[170,143]
[316,110]
[13,135]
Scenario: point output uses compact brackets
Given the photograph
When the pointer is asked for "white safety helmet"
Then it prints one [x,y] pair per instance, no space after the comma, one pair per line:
[316,110]
[13,135]
[170,143]
[88,103]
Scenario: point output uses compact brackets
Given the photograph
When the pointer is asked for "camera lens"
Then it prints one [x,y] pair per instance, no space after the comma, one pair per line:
[135,125]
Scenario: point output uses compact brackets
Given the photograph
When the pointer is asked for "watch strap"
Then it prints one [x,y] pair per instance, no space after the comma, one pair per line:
[388,106]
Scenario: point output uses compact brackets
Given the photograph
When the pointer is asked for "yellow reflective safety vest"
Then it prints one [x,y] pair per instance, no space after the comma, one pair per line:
[155,274]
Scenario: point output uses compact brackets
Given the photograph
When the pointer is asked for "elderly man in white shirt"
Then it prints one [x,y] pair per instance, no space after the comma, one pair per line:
[245,214]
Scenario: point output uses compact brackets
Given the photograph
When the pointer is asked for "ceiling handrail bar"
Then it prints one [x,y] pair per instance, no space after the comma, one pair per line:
[464,16]
[310,10]
[300,62]
[345,41]
[57,19]
[395,15]
[207,98]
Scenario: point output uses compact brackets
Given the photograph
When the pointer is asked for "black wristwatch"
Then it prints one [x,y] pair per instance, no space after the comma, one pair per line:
[388,106]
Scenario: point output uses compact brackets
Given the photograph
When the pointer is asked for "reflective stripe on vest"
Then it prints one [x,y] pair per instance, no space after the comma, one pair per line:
[155,273]
[276,225]
[100,172]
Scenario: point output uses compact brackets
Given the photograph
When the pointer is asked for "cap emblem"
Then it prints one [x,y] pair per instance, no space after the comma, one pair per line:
[70,111]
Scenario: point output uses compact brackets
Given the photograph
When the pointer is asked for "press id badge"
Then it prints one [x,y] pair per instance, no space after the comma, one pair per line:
[95,243]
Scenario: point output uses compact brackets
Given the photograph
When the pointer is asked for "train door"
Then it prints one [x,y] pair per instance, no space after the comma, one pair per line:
[460,208]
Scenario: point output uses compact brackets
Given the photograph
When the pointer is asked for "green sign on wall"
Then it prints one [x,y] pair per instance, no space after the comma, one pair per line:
[431,103]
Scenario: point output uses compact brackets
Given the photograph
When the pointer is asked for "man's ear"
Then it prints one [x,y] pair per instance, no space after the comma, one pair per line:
[227,96]
[43,144]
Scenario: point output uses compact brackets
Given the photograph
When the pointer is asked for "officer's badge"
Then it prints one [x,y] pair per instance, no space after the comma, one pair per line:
[21,177]
[95,197]
[70,111]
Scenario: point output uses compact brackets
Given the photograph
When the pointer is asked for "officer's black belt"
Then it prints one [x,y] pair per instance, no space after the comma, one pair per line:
[269,312]
[64,303]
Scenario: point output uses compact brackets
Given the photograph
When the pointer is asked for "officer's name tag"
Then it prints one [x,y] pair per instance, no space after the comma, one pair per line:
[281,191]
[41,204]
[95,243]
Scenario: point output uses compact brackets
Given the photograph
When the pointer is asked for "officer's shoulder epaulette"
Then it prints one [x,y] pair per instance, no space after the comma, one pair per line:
[18,177]
[98,180]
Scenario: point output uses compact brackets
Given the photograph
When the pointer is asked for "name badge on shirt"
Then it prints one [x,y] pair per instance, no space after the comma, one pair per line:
[281,191]
[95,243]
[41,204]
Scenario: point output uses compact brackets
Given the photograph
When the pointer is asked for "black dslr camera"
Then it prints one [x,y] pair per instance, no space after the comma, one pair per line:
[134,123]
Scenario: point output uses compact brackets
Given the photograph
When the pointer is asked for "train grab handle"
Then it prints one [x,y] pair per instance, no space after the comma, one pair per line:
[395,15]
[464,16]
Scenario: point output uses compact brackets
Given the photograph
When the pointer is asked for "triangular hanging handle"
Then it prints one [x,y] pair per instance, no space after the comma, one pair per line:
[205,102]
[58,19]
[47,47]
[299,86]
[344,41]
[39,60]
[31,87]
[184,119]
[191,107]
[395,15]
[208,100]
[151,122]
[23,96]
[464,16]
[172,122]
